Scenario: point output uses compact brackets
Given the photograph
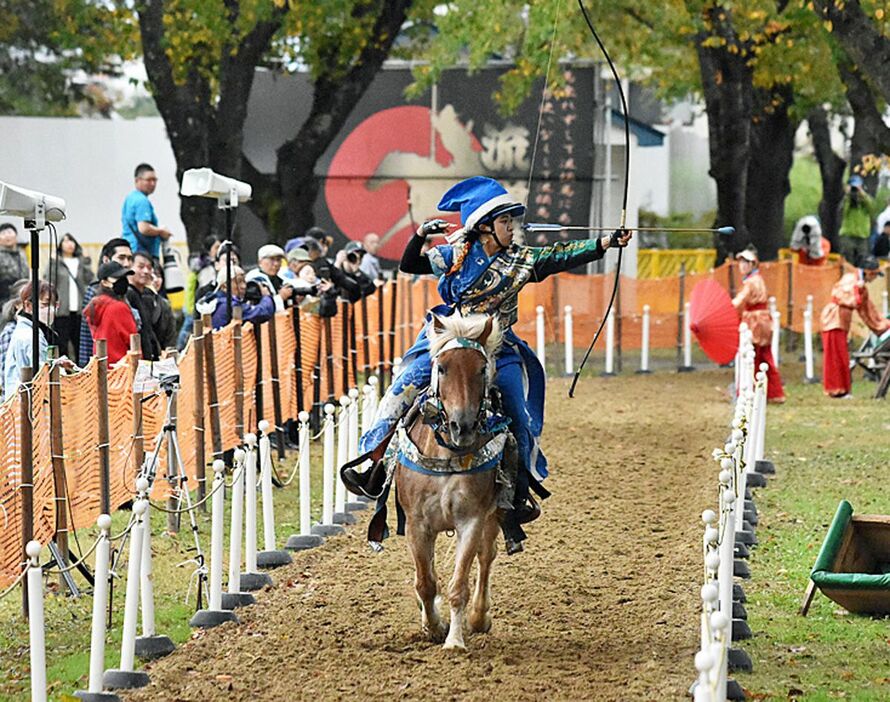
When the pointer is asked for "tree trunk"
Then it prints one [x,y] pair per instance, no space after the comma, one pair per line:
[334,97]
[871,137]
[831,168]
[860,38]
[727,86]
[205,130]
[771,157]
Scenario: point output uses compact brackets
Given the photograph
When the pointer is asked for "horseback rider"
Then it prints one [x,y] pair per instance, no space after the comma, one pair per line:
[481,271]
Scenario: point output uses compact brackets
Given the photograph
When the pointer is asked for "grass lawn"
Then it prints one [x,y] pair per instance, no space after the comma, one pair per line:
[824,451]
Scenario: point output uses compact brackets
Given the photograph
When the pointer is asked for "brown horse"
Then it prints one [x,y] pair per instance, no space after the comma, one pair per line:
[446,474]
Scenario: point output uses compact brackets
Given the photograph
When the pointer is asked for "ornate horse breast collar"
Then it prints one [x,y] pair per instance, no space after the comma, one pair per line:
[485,458]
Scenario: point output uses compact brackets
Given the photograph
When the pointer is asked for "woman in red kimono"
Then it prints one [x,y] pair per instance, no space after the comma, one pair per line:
[848,294]
[751,303]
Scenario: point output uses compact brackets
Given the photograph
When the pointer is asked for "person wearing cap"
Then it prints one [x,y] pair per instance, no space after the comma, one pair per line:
[108,314]
[848,294]
[269,260]
[347,276]
[751,304]
[261,311]
[856,221]
[481,271]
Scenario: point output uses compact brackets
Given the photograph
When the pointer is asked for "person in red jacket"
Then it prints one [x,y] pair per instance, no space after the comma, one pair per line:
[108,314]
[751,303]
[848,294]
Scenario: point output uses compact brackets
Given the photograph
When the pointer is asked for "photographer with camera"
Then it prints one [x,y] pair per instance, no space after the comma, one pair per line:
[807,240]
[347,274]
[254,298]
[269,260]
[856,221]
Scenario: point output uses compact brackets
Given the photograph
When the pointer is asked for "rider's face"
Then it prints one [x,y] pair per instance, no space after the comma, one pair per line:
[502,229]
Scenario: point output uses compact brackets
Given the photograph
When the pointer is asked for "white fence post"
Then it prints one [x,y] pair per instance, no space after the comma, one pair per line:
[777,333]
[540,344]
[809,374]
[341,516]
[126,676]
[270,556]
[687,339]
[327,526]
[569,341]
[357,504]
[36,623]
[644,346]
[233,597]
[305,540]
[610,345]
[251,579]
[885,307]
[215,615]
[150,645]
[100,604]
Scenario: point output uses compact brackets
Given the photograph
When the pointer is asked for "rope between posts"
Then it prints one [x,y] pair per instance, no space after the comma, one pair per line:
[81,559]
[194,506]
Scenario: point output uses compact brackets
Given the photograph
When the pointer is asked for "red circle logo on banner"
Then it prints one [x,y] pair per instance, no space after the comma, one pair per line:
[389,160]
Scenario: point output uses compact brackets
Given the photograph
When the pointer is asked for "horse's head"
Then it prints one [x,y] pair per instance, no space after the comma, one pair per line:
[463,352]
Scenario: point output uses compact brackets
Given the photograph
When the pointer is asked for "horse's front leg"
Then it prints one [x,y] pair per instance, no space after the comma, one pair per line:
[479,618]
[422,542]
[469,535]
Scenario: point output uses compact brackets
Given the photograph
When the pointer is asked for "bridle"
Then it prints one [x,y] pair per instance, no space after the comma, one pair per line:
[432,409]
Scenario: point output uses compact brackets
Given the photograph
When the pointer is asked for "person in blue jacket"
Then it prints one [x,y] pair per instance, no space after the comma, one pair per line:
[258,312]
[482,272]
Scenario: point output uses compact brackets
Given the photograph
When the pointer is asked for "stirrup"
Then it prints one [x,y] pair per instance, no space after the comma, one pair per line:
[369,483]
[528,511]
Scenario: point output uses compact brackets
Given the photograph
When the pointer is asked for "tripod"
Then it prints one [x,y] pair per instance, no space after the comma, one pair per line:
[175,473]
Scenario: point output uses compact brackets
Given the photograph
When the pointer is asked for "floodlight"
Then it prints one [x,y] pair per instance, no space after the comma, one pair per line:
[203,182]
[31,205]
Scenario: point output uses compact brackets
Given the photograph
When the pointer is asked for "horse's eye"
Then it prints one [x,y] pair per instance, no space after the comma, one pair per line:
[442,370]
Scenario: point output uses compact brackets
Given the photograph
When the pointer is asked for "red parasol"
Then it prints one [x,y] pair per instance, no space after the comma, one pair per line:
[714,321]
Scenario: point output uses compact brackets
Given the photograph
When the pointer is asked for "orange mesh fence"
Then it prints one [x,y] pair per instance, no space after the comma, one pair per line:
[384,325]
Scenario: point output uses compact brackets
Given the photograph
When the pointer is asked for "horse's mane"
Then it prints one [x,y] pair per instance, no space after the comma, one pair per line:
[469,327]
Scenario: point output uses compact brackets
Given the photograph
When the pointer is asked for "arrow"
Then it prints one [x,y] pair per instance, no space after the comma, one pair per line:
[546,227]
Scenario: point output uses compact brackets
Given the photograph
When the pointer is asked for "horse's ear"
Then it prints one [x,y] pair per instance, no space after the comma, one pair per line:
[486,331]
[438,324]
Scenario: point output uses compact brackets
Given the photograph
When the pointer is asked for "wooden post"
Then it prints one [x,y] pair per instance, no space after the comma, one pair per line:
[27,484]
[57,449]
[258,388]
[409,317]
[104,449]
[133,357]
[212,391]
[381,338]
[298,356]
[329,357]
[276,387]
[366,348]
[344,326]
[200,457]
[316,384]
[353,344]
[393,307]
[237,350]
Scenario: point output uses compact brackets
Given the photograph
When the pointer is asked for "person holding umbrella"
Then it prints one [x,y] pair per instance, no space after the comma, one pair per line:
[848,294]
[751,303]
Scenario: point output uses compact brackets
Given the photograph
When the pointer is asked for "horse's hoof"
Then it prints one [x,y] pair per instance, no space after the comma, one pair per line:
[435,634]
[481,624]
[457,646]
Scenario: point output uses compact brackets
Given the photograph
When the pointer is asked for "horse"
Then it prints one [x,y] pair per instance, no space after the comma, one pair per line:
[446,474]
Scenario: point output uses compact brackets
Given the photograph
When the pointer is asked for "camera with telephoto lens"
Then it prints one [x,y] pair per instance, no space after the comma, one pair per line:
[253,294]
[353,257]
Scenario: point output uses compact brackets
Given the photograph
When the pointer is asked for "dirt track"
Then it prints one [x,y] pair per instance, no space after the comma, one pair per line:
[601,606]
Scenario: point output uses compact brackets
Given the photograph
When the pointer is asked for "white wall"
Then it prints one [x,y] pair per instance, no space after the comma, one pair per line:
[90,164]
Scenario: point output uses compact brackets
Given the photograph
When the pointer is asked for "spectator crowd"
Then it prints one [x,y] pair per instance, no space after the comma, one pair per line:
[126,293]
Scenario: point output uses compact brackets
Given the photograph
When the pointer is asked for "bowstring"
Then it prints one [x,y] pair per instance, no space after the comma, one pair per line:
[624,197]
[531,170]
